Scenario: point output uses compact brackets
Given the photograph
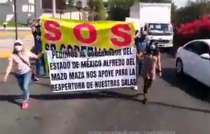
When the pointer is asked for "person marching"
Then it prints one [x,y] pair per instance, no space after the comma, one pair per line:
[141,43]
[136,40]
[22,70]
[36,31]
[141,48]
[152,64]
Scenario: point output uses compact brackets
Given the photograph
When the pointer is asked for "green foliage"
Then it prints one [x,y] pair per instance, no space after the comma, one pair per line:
[70,3]
[97,10]
[100,9]
[193,11]
[119,9]
[158,1]
[11,24]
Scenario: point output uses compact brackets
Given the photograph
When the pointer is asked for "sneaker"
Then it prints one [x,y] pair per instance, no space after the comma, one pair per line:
[25,105]
[145,91]
[135,88]
[35,79]
[145,101]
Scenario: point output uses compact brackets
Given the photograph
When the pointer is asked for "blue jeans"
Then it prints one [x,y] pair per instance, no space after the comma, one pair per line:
[40,66]
[40,69]
[24,81]
[139,67]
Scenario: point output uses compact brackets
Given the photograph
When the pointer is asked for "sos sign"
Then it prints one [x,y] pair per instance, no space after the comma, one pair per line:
[121,33]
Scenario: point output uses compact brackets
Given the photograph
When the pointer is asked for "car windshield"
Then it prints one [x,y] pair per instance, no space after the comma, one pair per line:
[160,29]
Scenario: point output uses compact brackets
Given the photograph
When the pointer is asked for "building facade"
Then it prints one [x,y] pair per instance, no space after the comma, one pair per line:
[26,10]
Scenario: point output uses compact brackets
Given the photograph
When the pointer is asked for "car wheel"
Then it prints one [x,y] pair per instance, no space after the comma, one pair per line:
[179,67]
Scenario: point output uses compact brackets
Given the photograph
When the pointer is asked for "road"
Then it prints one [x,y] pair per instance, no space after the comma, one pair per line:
[175,107]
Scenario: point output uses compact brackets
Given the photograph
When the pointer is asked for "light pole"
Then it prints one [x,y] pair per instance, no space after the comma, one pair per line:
[35,10]
[15,14]
[54,7]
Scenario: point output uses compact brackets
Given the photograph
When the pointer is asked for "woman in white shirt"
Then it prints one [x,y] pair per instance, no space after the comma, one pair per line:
[19,60]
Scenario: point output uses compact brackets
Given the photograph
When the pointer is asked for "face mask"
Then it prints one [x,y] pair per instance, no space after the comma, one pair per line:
[18,48]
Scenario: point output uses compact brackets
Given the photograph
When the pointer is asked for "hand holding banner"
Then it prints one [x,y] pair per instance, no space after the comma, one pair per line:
[89,55]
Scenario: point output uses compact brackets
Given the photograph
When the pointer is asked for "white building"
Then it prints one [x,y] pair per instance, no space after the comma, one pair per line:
[30,9]
[25,10]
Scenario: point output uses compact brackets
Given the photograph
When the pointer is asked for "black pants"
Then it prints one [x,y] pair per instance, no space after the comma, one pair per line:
[147,85]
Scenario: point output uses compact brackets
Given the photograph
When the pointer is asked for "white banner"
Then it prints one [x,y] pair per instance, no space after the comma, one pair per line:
[92,71]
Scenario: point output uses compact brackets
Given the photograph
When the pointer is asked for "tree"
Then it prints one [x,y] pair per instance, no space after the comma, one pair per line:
[193,11]
[70,3]
[173,12]
[101,11]
[157,1]
[97,10]
[119,9]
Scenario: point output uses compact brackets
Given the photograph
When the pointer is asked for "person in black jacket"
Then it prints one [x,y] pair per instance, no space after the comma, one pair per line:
[36,31]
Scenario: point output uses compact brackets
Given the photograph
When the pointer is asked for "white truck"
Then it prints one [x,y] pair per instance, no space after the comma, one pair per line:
[155,19]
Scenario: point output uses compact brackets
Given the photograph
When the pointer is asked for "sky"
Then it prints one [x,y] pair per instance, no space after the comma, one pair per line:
[181,3]
[3,1]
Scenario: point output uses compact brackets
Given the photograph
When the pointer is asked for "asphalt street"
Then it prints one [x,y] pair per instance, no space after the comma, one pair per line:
[175,107]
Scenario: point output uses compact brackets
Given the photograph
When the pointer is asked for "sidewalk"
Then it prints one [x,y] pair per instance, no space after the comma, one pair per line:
[7,39]
[13,29]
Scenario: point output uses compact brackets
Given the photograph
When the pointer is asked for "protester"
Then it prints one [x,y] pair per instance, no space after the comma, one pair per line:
[22,70]
[152,63]
[141,44]
[36,31]
[136,41]
[141,49]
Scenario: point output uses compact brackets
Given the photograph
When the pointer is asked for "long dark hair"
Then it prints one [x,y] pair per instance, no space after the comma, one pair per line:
[152,48]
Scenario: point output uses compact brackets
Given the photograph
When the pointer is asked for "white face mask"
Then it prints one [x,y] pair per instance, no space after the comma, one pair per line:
[18,48]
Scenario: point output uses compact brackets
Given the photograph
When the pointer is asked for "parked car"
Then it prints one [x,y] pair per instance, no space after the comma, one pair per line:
[193,59]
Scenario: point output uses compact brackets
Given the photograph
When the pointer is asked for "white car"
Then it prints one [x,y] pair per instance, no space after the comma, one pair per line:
[193,59]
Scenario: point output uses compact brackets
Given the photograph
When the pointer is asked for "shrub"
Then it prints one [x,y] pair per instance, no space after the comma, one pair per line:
[197,29]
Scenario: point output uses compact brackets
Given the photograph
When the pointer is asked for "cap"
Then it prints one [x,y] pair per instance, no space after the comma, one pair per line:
[18,42]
